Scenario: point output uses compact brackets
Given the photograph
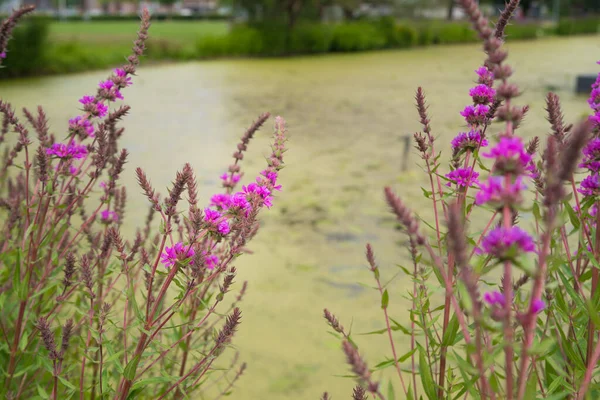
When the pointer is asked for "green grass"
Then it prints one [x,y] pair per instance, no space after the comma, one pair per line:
[121,33]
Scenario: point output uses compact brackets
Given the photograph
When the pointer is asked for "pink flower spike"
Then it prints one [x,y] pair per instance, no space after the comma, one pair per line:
[495,299]
[179,252]
[87,100]
[463,177]
[537,306]
[223,228]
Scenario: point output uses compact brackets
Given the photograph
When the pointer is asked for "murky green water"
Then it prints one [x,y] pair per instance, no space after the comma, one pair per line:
[346,116]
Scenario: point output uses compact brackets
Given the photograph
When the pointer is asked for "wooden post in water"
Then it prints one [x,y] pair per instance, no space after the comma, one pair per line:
[406,152]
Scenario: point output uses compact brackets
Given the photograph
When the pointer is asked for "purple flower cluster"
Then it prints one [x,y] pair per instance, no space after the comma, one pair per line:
[594,102]
[108,216]
[471,140]
[512,161]
[591,153]
[67,151]
[210,260]
[216,222]
[257,193]
[507,243]
[590,186]
[591,156]
[475,115]
[93,107]
[510,155]
[498,191]
[497,299]
[179,252]
[463,177]
[80,125]
[109,91]
[483,95]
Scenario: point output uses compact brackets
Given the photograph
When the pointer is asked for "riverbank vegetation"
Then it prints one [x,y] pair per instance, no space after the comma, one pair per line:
[43,46]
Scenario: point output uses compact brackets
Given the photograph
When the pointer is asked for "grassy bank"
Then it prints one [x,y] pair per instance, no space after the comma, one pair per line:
[51,47]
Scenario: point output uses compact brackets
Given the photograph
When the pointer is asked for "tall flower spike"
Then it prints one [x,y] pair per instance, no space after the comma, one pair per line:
[7,27]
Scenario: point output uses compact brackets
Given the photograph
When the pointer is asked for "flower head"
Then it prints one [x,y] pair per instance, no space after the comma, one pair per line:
[261,192]
[482,94]
[95,108]
[485,75]
[82,125]
[495,299]
[3,54]
[537,306]
[506,243]
[210,260]
[471,140]
[463,177]
[221,201]
[69,151]
[475,115]
[179,252]
[109,90]
[85,100]
[591,156]
[108,216]
[497,191]
[590,185]
[510,155]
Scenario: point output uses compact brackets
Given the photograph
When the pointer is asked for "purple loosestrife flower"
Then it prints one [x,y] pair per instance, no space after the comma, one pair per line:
[240,203]
[221,200]
[3,54]
[510,155]
[475,115]
[109,91]
[538,306]
[211,261]
[81,125]
[463,177]
[96,109]
[495,299]
[468,141]
[591,156]
[506,244]
[482,94]
[590,185]
[178,252]
[271,177]
[215,222]
[496,191]
[69,151]
[108,216]
[261,192]
[486,76]
[121,79]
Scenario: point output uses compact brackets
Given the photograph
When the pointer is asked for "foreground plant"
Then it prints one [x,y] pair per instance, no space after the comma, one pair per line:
[518,314]
[85,313]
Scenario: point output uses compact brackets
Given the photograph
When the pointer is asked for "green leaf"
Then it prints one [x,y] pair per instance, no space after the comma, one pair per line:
[543,347]
[131,368]
[531,389]
[390,392]
[572,215]
[451,331]
[426,378]
[385,299]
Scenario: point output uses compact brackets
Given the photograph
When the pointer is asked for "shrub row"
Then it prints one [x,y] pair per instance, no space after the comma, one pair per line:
[309,38]
[34,55]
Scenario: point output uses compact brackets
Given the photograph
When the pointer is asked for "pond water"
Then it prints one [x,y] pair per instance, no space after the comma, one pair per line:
[346,116]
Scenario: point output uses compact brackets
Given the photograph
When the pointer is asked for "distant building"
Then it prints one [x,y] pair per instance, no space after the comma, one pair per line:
[199,6]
